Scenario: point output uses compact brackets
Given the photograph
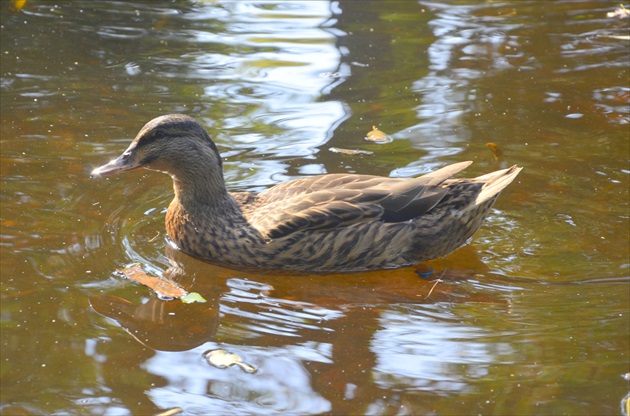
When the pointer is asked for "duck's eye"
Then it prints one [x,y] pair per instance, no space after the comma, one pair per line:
[151,137]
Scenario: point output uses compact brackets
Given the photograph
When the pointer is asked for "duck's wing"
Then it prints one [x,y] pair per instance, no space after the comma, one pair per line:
[331,201]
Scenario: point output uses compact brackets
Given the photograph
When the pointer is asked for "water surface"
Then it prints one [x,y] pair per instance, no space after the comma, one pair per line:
[532,317]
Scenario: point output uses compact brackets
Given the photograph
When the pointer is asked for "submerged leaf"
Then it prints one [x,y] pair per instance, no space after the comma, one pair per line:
[350,151]
[496,150]
[18,4]
[377,136]
[163,288]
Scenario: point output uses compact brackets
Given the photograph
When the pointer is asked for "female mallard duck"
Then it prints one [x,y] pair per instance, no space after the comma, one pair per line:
[335,222]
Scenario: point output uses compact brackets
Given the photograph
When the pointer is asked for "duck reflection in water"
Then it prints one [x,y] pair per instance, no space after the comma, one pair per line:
[296,331]
[177,326]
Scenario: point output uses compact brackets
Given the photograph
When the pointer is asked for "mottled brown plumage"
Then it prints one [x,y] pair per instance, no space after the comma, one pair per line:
[337,222]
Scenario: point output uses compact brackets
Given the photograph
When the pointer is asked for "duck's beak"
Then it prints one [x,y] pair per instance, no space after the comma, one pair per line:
[123,163]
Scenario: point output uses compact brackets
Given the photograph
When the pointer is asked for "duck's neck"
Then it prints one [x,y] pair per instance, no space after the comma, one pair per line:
[202,190]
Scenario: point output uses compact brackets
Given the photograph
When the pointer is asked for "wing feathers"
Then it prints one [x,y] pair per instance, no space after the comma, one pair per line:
[333,214]
[337,200]
[496,182]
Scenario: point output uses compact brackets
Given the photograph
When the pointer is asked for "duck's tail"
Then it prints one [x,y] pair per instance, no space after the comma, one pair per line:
[495,182]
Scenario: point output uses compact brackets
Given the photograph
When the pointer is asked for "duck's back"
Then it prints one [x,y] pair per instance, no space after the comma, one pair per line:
[356,222]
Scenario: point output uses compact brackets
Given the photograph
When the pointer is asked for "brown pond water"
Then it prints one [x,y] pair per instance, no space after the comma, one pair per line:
[532,317]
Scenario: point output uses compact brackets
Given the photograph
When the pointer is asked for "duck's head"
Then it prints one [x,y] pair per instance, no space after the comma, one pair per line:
[175,144]
[178,145]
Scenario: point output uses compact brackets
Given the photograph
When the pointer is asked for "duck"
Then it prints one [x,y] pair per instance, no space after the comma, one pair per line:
[338,222]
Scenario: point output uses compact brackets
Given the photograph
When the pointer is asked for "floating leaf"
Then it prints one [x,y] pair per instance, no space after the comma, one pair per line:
[193,297]
[223,359]
[18,4]
[496,150]
[377,136]
[350,151]
[166,289]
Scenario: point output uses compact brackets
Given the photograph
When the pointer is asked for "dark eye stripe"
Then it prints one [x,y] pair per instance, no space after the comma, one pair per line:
[158,134]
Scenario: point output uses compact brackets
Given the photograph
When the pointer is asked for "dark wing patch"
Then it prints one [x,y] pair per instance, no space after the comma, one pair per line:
[411,204]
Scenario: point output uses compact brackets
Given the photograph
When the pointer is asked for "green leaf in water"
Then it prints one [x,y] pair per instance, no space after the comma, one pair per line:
[193,297]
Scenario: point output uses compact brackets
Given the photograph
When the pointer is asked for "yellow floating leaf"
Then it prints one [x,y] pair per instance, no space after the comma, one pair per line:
[223,359]
[377,136]
[496,150]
